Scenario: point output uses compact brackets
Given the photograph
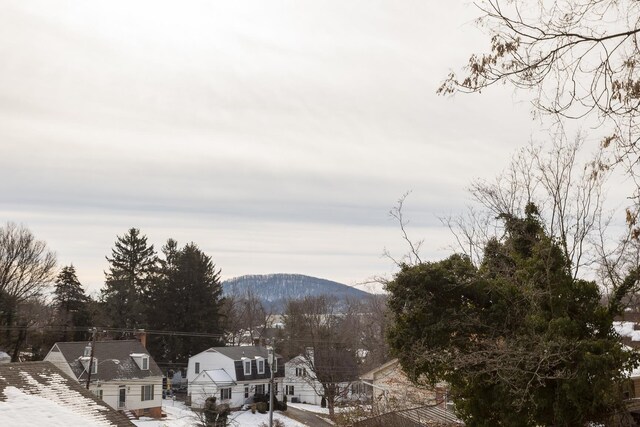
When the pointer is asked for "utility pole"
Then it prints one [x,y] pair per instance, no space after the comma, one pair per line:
[271,388]
[93,349]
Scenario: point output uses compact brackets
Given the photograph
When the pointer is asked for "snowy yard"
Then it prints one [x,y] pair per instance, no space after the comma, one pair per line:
[179,415]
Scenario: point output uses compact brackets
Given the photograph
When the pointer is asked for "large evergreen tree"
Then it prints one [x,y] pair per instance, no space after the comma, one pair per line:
[519,340]
[132,268]
[71,304]
[187,298]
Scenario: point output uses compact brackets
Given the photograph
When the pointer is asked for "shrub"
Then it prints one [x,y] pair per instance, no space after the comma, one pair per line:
[253,408]
[262,407]
[280,405]
[216,415]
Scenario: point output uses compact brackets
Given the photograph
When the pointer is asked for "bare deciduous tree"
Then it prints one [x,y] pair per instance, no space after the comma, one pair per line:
[246,319]
[27,267]
[581,56]
[324,337]
[569,195]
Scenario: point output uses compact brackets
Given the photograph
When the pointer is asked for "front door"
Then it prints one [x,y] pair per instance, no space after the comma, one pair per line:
[122,396]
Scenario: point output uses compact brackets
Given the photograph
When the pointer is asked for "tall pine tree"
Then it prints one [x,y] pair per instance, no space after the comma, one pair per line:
[131,275]
[188,298]
[71,304]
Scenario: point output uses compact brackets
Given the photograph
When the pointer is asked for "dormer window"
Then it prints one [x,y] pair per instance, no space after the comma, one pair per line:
[87,351]
[142,360]
[260,363]
[246,364]
[86,362]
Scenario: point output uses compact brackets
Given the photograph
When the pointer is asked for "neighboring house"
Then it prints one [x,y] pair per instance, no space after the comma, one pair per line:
[40,394]
[123,375]
[300,385]
[390,388]
[234,375]
[301,382]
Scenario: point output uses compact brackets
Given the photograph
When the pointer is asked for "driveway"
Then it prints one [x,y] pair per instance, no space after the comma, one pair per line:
[306,417]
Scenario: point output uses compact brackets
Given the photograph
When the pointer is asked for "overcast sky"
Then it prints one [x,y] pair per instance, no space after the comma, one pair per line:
[275,135]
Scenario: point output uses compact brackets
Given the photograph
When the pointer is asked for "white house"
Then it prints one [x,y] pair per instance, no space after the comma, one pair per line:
[299,382]
[390,389]
[234,375]
[123,374]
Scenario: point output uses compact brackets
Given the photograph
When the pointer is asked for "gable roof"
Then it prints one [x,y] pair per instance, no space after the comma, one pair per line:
[114,359]
[217,376]
[38,393]
[371,374]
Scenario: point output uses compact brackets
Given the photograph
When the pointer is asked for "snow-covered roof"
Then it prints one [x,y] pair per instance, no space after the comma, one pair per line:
[238,352]
[217,376]
[39,394]
[627,329]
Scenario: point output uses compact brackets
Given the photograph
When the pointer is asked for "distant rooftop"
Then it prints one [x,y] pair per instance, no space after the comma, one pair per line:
[114,359]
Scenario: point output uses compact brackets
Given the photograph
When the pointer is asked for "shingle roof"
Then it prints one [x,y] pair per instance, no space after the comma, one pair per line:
[424,416]
[107,352]
[43,380]
[238,352]
[429,415]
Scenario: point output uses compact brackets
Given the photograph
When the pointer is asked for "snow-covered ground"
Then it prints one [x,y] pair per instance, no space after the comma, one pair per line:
[179,415]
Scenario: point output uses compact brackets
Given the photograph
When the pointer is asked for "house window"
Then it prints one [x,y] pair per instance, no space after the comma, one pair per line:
[197,367]
[358,388]
[301,372]
[145,363]
[260,363]
[247,366]
[94,367]
[259,388]
[146,392]
[225,393]
[246,391]
[98,393]
[275,364]
[289,391]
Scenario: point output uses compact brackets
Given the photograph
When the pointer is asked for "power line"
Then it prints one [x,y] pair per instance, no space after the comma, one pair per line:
[59,328]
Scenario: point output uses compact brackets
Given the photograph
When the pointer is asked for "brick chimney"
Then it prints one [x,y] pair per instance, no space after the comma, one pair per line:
[141,335]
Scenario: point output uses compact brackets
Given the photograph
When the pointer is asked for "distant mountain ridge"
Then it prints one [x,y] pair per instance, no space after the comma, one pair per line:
[275,289]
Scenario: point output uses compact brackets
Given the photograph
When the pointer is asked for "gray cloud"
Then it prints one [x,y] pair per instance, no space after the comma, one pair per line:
[275,135]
